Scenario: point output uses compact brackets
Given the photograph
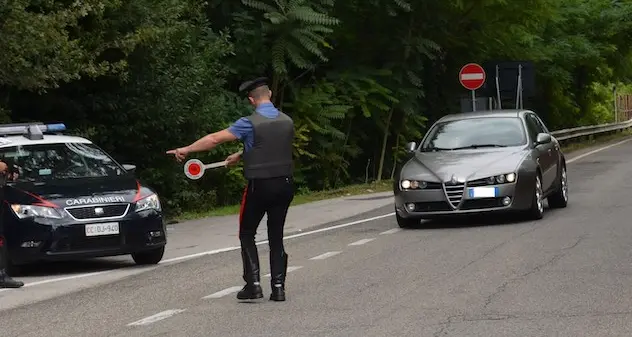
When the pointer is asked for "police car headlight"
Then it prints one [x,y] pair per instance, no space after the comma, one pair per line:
[150,202]
[32,211]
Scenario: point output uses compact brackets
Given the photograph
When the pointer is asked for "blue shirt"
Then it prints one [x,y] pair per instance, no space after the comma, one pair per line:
[243,130]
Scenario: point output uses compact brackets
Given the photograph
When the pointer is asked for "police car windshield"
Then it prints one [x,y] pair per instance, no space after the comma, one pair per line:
[59,161]
[473,133]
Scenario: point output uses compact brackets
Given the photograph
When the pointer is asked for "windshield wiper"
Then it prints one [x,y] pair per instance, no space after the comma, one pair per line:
[476,146]
[428,149]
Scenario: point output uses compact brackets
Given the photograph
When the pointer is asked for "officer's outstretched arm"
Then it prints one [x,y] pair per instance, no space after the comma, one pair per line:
[210,141]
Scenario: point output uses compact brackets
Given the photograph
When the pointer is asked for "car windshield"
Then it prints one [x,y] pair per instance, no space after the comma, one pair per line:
[475,133]
[60,161]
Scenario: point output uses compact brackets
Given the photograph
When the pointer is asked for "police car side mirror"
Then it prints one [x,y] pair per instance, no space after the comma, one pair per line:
[410,147]
[129,167]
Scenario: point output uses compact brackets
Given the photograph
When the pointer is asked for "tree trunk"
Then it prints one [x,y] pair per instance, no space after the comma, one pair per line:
[342,151]
[384,141]
[395,156]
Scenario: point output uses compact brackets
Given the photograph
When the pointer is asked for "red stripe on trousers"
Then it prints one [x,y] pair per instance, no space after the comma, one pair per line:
[242,207]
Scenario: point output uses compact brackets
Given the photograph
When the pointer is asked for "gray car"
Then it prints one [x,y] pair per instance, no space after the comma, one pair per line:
[480,162]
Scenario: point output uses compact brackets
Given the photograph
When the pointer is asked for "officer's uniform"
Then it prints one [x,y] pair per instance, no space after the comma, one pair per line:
[5,280]
[268,165]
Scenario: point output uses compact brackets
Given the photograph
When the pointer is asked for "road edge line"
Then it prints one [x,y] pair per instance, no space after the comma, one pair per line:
[292,236]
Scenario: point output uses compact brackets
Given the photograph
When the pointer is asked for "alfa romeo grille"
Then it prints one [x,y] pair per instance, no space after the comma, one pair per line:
[97,212]
[454,192]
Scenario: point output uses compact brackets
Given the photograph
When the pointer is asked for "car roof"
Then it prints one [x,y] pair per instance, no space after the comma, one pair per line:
[483,114]
[48,139]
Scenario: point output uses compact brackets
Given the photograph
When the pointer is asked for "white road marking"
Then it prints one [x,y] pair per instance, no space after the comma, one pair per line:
[325,255]
[361,242]
[293,236]
[391,231]
[289,270]
[228,249]
[597,150]
[157,317]
[224,292]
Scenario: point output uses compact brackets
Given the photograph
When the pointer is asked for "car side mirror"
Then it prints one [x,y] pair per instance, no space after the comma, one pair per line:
[543,138]
[129,167]
[410,147]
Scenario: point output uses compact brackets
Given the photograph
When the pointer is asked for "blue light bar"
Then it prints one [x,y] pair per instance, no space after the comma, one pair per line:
[30,130]
[54,127]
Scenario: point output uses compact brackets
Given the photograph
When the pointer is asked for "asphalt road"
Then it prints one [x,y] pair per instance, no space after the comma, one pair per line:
[568,274]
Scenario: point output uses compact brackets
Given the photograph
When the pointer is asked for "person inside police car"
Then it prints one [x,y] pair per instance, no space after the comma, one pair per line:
[5,280]
[267,136]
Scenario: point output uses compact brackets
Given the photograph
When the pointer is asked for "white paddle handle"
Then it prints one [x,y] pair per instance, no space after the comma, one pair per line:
[216,164]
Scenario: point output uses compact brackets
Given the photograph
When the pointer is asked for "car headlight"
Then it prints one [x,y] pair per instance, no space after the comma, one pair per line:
[150,202]
[413,184]
[501,179]
[32,211]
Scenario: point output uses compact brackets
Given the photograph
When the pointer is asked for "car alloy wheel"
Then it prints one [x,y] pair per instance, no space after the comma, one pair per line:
[538,195]
[564,183]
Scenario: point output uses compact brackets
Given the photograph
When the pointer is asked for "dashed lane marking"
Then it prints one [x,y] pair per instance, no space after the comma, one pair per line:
[223,293]
[289,270]
[210,252]
[391,231]
[325,255]
[361,242]
[157,317]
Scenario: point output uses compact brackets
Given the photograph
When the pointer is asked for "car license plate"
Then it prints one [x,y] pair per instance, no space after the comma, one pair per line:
[107,228]
[483,192]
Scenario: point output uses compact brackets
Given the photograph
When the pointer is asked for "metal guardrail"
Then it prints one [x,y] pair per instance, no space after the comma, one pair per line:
[590,130]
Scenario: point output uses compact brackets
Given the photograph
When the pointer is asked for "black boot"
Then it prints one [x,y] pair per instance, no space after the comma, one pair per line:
[7,282]
[278,267]
[252,290]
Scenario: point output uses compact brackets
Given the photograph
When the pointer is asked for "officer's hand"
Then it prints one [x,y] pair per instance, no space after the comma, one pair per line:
[232,159]
[180,153]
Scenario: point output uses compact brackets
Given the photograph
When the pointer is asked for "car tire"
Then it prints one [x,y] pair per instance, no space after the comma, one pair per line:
[149,256]
[536,212]
[559,199]
[406,222]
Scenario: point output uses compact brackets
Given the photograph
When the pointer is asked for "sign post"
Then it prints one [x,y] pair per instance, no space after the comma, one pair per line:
[472,76]
[194,168]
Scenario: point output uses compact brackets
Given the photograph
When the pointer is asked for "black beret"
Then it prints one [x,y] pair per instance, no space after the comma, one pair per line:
[249,86]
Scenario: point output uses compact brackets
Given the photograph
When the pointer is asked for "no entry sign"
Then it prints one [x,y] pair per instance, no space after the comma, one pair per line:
[194,168]
[472,76]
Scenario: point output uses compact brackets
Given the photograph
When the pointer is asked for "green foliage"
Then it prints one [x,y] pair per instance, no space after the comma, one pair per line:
[359,77]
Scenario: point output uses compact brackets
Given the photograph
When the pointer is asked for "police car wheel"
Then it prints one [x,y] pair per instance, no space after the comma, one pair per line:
[149,256]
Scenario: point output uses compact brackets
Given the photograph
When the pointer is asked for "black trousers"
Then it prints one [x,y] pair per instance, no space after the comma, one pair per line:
[270,196]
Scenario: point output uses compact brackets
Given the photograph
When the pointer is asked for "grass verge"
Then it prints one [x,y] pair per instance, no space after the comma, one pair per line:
[382,186]
[599,140]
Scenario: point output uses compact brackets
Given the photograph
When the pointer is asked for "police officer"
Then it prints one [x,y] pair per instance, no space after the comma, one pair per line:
[267,135]
[5,280]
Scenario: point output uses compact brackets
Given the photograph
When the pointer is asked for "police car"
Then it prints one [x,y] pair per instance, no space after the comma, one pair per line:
[66,199]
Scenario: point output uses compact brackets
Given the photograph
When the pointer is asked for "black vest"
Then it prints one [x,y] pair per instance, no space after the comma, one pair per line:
[271,153]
